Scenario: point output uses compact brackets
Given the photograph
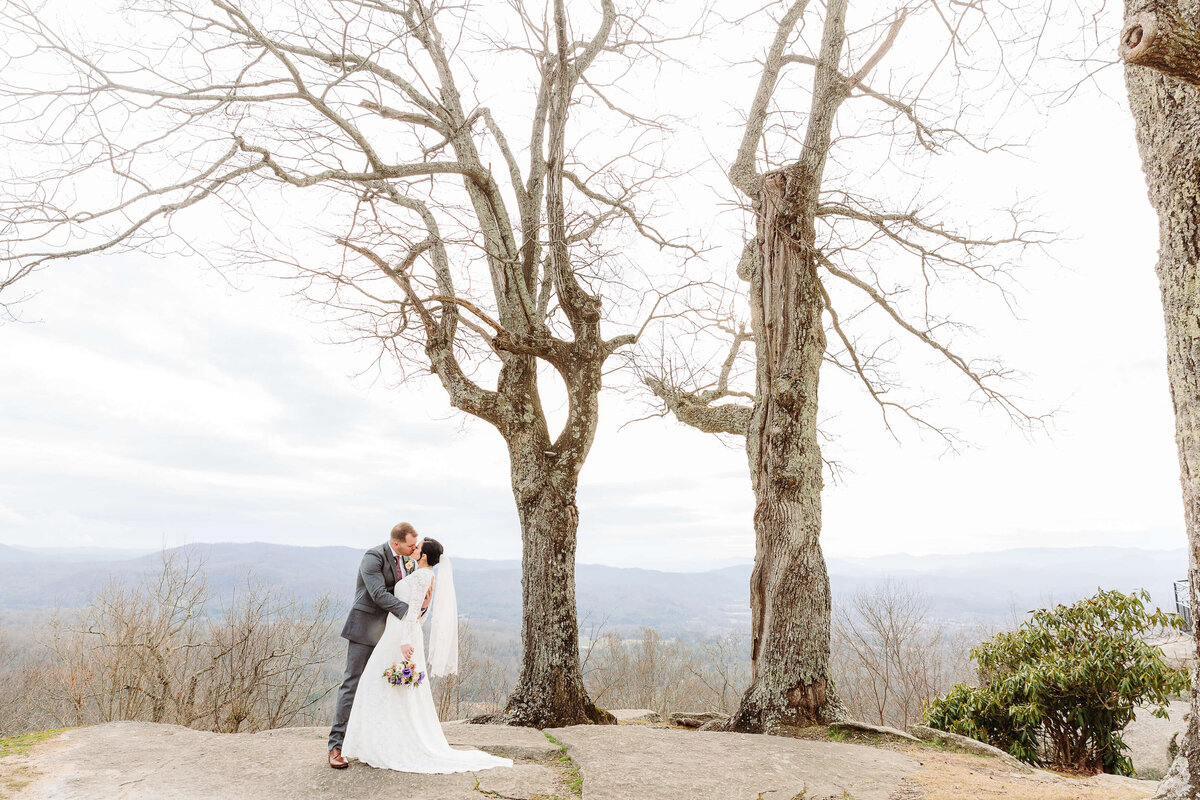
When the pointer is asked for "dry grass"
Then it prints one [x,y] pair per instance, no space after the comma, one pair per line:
[948,774]
[19,745]
[954,776]
[15,774]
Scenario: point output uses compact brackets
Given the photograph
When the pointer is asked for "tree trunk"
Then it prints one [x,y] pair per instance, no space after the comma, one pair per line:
[789,588]
[550,691]
[545,473]
[1167,113]
[545,476]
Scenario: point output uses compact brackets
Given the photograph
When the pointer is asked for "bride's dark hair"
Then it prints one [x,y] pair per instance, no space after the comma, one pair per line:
[432,550]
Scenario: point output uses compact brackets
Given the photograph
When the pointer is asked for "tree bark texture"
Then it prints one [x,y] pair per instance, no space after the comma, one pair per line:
[1163,35]
[789,588]
[1167,116]
[545,475]
[550,691]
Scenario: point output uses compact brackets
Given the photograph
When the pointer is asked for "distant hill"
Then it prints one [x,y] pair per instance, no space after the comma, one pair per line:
[992,585]
[989,586]
[11,554]
[67,554]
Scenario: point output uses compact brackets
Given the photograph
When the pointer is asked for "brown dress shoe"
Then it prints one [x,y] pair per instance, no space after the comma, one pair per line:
[335,759]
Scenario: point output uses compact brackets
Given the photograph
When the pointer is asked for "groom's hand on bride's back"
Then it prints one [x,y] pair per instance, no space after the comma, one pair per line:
[406,650]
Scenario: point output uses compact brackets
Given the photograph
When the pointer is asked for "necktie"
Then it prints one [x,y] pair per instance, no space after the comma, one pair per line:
[399,569]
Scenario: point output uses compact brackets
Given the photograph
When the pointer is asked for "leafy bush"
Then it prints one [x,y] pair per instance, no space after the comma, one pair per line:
[1060,689]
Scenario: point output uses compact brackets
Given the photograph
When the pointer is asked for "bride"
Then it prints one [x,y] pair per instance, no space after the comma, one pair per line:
[396,726]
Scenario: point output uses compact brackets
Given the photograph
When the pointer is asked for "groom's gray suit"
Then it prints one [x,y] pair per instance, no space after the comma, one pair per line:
[374,599]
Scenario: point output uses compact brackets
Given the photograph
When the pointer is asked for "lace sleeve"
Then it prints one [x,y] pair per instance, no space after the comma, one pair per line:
[413,589]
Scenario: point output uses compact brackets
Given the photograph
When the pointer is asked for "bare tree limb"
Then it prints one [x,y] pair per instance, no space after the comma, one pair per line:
[742,173]
[1163,38]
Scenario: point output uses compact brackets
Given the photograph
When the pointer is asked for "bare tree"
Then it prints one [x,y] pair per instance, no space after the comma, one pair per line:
[459,248]
[814,268]
[666,675]
[22,682]
[151,652]
[1159,42]
[721,666]
[481,684]
[890,658]
[607,667]
[262,664]
[128,655]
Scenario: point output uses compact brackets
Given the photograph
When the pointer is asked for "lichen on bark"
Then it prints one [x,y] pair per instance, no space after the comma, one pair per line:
[1167,116]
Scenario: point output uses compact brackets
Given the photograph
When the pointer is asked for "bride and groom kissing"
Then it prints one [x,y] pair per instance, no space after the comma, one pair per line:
[385,715]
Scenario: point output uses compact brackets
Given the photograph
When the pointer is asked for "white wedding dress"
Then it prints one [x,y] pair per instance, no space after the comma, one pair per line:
[397,727]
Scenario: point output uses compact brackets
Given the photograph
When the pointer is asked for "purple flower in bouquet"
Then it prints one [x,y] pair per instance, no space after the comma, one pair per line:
[403,674]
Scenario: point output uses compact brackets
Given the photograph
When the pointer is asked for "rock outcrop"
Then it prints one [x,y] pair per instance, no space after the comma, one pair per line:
[642,761]
[967,744]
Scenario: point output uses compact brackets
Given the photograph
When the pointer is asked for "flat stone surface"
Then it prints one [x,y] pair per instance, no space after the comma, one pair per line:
[961,776]
[501,740]
[1146,738]
[620,762]
[634,714]
[143,761]
[1178,648]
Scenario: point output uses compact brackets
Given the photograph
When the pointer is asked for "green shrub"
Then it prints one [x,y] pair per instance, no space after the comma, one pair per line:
[1060,689]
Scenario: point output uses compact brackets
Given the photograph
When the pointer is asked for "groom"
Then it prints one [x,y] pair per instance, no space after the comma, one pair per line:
[374,599]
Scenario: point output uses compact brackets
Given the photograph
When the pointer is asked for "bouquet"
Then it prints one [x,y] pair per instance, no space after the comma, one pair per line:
[403,674]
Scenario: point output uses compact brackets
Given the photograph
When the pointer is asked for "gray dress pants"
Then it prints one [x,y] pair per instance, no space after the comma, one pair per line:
[356,659]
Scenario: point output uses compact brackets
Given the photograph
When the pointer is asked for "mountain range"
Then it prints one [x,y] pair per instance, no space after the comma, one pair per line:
[959,588]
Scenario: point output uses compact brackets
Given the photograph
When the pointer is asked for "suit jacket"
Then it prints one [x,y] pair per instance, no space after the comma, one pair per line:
[374,596]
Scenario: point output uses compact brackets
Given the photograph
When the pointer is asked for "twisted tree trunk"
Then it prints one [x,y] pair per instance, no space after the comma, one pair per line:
[1167,113]
[790,597]
[789,587]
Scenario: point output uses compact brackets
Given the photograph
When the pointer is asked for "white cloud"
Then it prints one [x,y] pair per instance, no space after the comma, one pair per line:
[9,516]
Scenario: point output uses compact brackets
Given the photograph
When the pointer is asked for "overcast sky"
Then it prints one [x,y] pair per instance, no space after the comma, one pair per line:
[150,401]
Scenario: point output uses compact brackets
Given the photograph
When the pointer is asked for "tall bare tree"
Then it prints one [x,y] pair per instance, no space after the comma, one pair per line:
[1160,44]
[813,267]
[891,658]
[461,249]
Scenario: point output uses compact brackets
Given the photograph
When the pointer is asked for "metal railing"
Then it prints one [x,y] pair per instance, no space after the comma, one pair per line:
[1183,602]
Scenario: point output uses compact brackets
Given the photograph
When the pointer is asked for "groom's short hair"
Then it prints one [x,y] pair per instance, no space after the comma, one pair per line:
[402,531]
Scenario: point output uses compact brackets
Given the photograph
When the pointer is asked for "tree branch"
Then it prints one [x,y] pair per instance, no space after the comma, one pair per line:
[880,52]
[726,418]
[977,378]
[743,172]
[859,369]
[464,393]
[1162,38]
